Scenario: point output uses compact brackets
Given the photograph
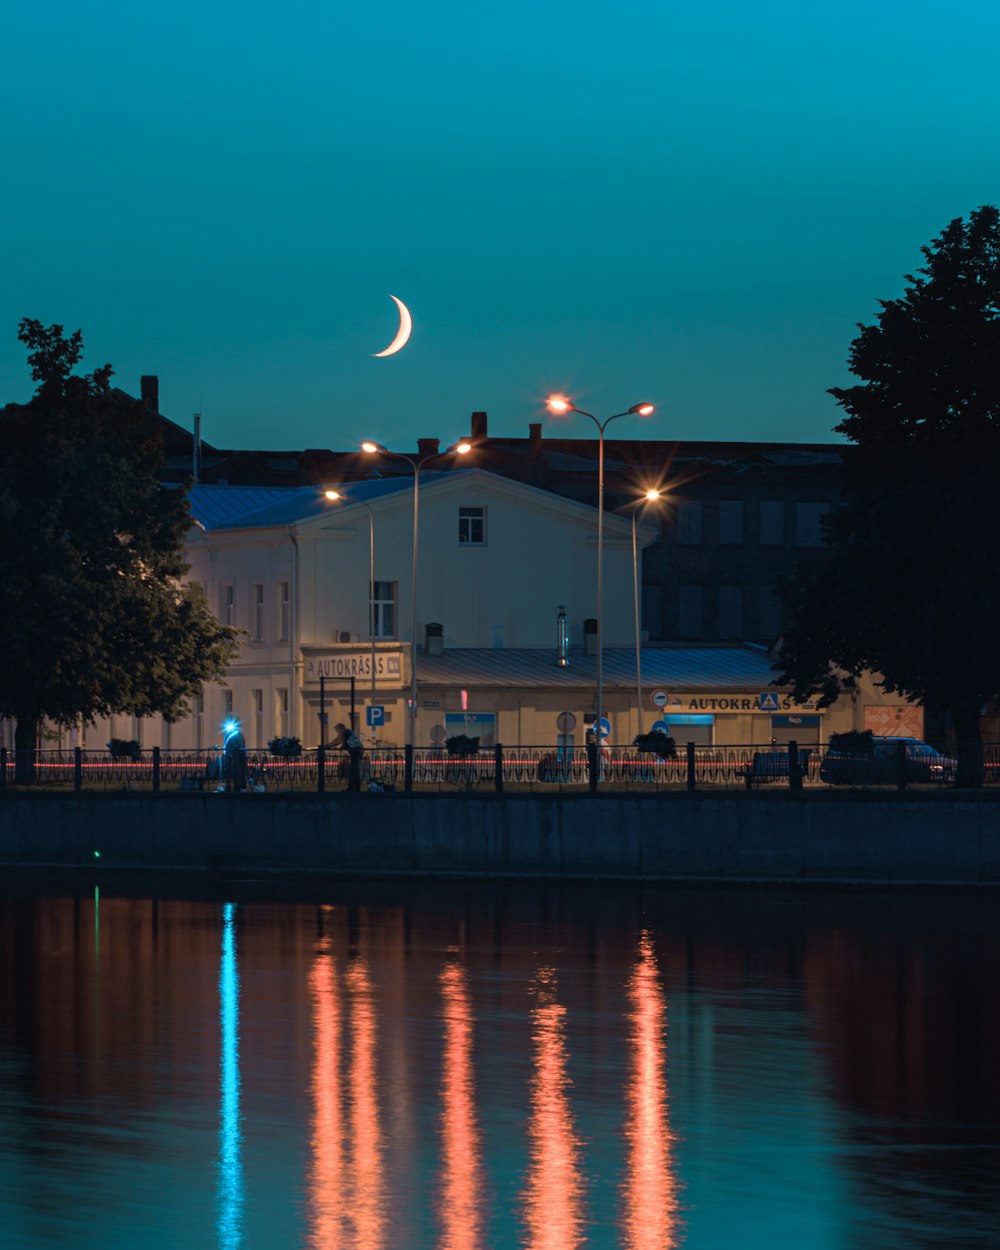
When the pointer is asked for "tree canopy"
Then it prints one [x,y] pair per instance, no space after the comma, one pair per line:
[96,617]
[910,587]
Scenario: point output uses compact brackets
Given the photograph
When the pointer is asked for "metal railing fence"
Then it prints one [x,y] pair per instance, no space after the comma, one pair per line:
[533,768]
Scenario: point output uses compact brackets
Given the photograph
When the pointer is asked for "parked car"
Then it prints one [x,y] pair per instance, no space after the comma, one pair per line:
[878,766]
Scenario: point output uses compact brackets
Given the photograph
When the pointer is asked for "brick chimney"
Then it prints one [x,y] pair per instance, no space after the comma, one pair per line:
[535,438]
[427,447]
[477,432]
[149,389]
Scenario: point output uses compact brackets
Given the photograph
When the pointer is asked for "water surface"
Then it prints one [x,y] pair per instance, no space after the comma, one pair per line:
[394,1067]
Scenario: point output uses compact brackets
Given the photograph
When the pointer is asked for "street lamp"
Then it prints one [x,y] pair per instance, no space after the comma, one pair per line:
[335,496]
[560,405]
[376,449]
[637,507]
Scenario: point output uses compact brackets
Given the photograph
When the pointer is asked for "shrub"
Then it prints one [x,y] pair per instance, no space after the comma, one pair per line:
[124,749]
[285,746]
[853,742]
[462,744]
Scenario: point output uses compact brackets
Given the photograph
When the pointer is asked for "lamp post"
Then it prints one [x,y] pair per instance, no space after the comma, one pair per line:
[376,449]
[334,496]
[637,507]
[560,405]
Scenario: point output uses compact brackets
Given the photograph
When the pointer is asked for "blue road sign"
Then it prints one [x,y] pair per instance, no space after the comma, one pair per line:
[375,715]
[660,726]
[605,727]
[767,700]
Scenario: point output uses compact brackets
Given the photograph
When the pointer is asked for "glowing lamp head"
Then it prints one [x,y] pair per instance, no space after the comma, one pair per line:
[371,448]
[559,404]
[230,727]
[653,493]
[461,449]
[642,410]
[332,495]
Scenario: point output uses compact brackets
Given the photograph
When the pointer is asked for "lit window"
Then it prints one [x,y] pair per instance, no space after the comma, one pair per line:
[472,527]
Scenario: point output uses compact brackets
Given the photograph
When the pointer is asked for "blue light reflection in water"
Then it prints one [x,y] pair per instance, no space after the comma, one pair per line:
[497,1067]
[230,1164]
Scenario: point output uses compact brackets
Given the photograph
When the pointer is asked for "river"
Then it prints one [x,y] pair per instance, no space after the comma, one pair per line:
[381,1066]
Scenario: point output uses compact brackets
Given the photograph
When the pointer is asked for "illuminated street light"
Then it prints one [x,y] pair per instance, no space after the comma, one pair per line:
[335,497]
[638,507]
[561,405]
[376,449]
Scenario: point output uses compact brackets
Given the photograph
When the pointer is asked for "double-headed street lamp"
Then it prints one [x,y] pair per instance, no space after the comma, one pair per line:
[637,507]
[335,496]
[376,449]
[560,405]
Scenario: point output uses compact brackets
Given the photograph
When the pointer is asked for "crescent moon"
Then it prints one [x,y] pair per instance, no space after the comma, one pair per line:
[402,334]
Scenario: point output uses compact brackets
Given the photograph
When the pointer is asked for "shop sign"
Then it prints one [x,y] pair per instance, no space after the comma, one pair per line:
[343,665]
[775,702]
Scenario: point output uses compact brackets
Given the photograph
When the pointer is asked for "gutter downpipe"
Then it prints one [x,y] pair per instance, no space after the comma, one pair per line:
[294,695]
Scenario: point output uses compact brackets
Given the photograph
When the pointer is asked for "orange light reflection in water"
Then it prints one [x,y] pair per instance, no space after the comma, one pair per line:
[327,1171]
[553,1204]
[461,1184]
[650,1190]
[367,1214]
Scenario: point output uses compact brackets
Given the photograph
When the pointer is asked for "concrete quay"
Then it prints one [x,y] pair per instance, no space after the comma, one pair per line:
[935,839]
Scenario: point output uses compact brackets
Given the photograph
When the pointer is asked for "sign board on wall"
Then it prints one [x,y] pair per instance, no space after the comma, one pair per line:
[709,701]
[895,721]
[343,665]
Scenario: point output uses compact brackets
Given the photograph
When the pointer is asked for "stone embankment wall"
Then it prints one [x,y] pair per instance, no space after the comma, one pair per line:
[878,840]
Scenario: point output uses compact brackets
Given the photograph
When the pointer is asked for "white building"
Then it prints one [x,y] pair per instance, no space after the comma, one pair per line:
[497,560]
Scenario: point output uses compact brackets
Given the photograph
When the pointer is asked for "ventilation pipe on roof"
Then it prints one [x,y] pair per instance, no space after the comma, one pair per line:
[433,638]
[196,449]
[590,636]
[477,431]
[562,638]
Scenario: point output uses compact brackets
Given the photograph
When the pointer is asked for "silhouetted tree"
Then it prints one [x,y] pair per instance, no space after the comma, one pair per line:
[94,618]
[911,585]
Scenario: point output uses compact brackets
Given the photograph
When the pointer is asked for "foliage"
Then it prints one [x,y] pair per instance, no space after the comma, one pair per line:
[285,746]
[96,617]
[853,742]
[656,743]
[462,744]
[125,748]
[911,585]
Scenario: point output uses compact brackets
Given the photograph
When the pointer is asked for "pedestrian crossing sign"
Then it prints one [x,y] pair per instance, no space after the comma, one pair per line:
[767,701]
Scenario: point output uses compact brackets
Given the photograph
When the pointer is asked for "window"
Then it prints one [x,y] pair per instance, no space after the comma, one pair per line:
[689,521]
[808,530]
[257,712]
[772,523]
[384,605]
[227,705]
[768,613]
[283,610]
[281,712]
[730,611]
[472,527]
[257,598]
[227,605]
[199,720]
[689,612]
[730,520]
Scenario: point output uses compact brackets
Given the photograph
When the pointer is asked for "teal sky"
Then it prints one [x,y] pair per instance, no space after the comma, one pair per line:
[688,204]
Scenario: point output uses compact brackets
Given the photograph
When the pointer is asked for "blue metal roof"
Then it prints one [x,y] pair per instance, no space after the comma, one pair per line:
[674,668]
[244,507]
